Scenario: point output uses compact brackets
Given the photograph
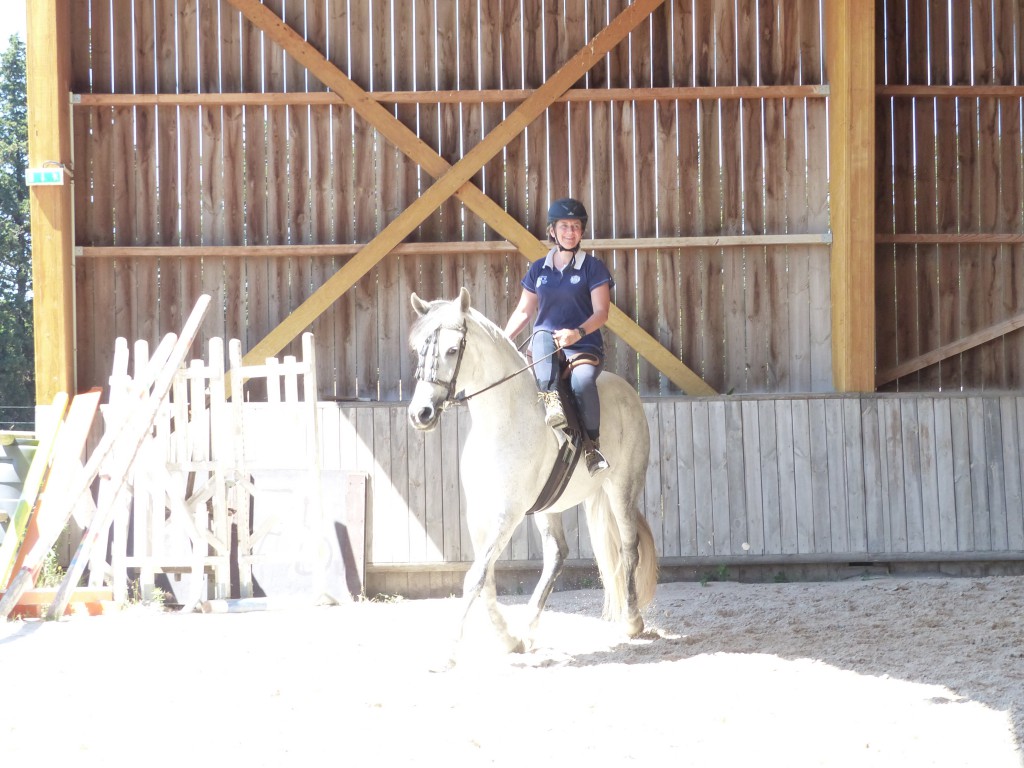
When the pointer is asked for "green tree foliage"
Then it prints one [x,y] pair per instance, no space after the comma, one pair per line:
[17,359]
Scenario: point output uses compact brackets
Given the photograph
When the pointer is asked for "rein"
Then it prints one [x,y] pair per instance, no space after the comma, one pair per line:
[430,345]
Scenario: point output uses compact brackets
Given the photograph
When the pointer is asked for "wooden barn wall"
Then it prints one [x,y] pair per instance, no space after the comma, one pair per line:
[746,319]
[745,480]
[950,170]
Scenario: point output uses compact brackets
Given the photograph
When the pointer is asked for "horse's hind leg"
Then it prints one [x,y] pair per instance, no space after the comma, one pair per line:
[555,551]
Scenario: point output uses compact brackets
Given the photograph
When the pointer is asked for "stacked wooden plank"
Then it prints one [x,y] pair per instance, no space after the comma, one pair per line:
[110,462]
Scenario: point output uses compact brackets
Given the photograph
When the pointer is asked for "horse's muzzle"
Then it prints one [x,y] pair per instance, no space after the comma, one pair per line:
[424,417]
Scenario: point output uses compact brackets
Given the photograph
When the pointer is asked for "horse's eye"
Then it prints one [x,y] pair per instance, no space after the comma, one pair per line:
[452,351]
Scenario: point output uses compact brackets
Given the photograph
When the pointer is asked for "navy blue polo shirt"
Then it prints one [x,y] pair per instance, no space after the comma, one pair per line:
[563,298]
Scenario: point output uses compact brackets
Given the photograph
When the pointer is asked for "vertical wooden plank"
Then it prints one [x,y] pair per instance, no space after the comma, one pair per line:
[891,432]
[669,462]
[945,477]
[719,466]
[391,177]
[687,511]
[803,466]
[735,458]
[838,501]
[788,483]
[251,272]
[820,511]
[390,529]
[874,480]
[145,220]
[656,500]
[408,535]
[323,177]
[995,473]
[931,510]
[752,479]
[979,474]
[1015,515]
[702,471]
[963,475]
[363,454]
[853,453]
[419,541]
[771,472]
[433,491]
[912,470]
[455,547]
[779,63]
[99,226]
[122,180]
[1013,511]
[729,59]
[800,263]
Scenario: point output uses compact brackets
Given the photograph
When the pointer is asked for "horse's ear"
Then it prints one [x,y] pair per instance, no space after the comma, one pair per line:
[464,299]
[419,305]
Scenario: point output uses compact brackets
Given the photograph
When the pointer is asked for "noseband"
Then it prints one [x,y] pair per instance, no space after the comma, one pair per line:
[430,355]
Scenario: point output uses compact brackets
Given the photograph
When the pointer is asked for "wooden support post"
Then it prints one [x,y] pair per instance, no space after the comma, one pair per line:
[850,29]
[48,71]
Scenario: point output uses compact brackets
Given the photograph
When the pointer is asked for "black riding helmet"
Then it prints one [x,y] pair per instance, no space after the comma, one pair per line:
[566,208]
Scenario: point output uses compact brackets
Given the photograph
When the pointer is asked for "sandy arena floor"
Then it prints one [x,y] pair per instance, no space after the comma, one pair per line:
[881,672]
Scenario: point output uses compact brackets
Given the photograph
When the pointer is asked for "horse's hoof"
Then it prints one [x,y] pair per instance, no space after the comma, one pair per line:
[635,626]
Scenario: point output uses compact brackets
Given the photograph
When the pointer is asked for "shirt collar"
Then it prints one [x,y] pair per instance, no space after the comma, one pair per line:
[577,260]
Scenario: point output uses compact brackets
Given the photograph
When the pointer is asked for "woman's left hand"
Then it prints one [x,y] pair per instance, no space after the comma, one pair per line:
[566,337]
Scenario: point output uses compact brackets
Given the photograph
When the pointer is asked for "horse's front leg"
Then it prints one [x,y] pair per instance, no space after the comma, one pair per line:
[555,550]
[480,581]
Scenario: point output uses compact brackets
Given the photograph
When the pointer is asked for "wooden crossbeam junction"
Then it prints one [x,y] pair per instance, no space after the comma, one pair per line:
[453,180]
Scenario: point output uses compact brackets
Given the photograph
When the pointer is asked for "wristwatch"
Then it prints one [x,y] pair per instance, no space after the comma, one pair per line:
[581,331]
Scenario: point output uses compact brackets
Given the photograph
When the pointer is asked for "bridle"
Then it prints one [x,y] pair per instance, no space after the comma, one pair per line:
[430,354]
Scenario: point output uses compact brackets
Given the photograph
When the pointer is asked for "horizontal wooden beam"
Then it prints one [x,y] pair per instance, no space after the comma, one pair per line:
[319,98]
[441,248]
[948,350]
[950,91]
[963,238]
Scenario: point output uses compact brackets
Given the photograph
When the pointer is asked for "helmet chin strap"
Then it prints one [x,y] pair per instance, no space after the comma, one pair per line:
[574,250]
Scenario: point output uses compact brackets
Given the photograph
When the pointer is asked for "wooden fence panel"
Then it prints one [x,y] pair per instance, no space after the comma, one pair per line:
[738,481]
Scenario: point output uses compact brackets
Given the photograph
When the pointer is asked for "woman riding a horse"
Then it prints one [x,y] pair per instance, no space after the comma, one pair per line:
[569,293]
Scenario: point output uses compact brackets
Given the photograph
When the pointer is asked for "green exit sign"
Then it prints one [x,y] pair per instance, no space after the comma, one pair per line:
[44,176]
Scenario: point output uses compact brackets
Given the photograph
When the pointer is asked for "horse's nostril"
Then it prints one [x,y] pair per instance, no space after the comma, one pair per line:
[424,415]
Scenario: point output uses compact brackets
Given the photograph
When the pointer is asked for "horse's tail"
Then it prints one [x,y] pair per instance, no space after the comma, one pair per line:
[607,543]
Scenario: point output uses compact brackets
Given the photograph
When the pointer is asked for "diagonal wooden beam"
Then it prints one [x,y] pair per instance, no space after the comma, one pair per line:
[946,351]
[452,180]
